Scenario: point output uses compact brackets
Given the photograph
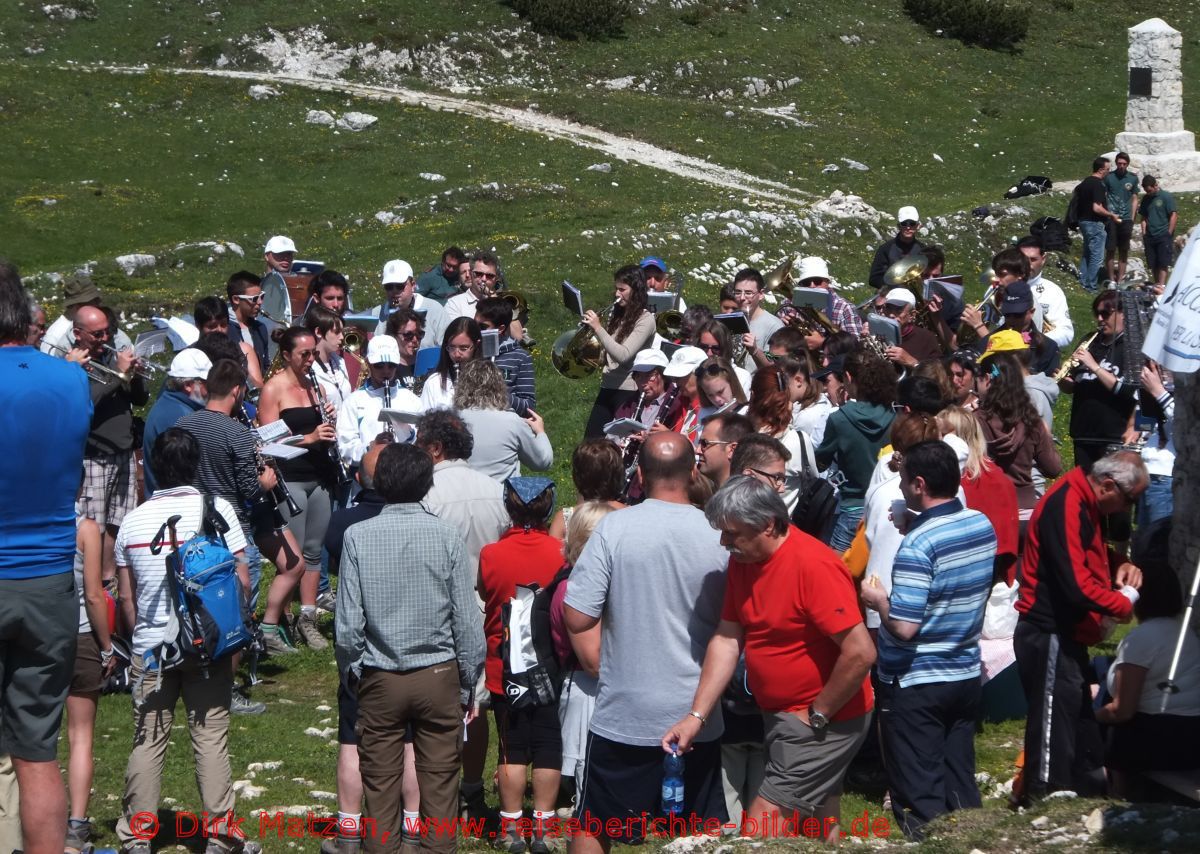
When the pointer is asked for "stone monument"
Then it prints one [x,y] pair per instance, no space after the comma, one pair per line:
[1154,135]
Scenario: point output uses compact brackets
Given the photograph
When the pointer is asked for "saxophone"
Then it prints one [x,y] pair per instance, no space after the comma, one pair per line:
[1073,363]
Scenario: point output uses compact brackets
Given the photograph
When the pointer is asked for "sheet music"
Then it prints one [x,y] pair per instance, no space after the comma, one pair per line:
[150,343]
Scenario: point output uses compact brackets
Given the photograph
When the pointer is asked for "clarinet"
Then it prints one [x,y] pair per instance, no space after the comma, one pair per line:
[663,410]
[322,407]
[387,404]
[629,456]
[280,493]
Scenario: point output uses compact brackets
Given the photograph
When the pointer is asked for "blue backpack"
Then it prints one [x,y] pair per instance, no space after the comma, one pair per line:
[209,619]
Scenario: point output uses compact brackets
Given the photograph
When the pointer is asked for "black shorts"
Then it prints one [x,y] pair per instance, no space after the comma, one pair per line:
[621,796]
[39,625]
[527,736]
[1117,236]
[1160,252]
[348,716]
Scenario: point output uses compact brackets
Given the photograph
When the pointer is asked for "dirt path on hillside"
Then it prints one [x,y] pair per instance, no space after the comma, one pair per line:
[585,136]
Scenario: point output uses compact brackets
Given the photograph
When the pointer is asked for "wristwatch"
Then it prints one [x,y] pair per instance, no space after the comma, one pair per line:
[816,720]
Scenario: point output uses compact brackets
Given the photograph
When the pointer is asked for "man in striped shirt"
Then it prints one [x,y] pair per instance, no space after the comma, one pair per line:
[512,359]
[928,666]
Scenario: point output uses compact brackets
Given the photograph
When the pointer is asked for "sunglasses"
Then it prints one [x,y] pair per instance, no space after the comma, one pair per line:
[705,444]
[483,274]
[395,286]
[710,348]
[258,298]
[1104,313]
[710,371]
[305,354]
[909,223]
[410,336]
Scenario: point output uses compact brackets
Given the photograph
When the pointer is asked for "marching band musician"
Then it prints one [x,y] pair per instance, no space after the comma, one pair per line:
[813,272]
[903,244]
[246,298]
[278,254]
[110,470]
[1014,301]
[211,316]
[485,273]
[401,291]
[750,289]
[461,343]
[358,421]
[330,366]
[512,359]
[1056,319]
[917,344]
[291,395]
[408,329]
[657,405]
[681,370]
[628,331]
[78,291]
[657,279]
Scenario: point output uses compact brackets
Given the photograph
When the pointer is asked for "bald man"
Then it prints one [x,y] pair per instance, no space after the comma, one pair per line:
[657,573]
[110,470]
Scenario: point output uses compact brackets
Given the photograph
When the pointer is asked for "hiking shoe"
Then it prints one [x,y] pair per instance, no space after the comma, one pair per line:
[539,844]
[510,840]
[306,627]
[78,835]
[240,704]
[232,847]
[136,848]
[341,845]
[275,641]
[327,602]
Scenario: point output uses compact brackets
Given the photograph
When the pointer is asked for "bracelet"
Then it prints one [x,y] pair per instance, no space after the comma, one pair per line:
[106,655]
[703,720]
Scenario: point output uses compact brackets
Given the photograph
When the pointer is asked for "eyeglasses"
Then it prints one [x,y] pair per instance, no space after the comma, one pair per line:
[705,444]
[395,286]
[483,274]
[710,348]
[1104,313]
[258,298]
[775,478]
[1129,497]
[743,294]
[460,348]
[97,333]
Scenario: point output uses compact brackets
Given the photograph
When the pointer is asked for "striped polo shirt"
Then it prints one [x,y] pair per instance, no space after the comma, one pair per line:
[149,571]
[941,581]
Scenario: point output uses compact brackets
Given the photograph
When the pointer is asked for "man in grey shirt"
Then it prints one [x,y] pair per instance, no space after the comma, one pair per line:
[749,289]
[410,639]
[643,602]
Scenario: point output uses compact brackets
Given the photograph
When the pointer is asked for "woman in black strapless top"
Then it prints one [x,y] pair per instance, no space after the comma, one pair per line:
[311,478]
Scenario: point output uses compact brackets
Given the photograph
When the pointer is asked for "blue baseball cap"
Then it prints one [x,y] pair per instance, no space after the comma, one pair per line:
[653,261]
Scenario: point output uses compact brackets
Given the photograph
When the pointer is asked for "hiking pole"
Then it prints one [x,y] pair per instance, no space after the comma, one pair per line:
[1169,687]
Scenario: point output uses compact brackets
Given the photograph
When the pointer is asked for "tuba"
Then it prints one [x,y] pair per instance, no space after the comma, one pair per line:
[669,324]
[780,277]
[577,353]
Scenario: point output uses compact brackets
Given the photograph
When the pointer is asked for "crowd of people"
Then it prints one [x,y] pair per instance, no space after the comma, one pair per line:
[792,548]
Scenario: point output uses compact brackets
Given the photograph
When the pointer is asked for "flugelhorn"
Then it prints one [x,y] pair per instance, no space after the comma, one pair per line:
[145,369]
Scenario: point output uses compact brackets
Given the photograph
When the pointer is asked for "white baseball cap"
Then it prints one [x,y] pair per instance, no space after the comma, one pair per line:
[900,296]
[906,213]
[190,364]
[684,361]
[812,267]
[649,359]
[396,271]
[279,244]
[383,350]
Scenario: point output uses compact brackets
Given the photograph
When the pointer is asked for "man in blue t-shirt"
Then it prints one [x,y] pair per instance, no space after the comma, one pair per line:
[929,665]
[45,421]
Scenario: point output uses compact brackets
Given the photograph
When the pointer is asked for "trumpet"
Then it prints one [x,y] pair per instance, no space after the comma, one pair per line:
[146,370]
[1073,363]
[92,366]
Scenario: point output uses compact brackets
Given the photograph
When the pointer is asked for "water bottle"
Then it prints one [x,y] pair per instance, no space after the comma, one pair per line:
[672,784]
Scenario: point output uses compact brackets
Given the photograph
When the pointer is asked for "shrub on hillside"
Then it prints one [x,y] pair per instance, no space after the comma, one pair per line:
[571,19]
[988,23]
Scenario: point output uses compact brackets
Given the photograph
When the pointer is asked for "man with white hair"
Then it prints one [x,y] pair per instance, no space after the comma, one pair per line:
[791,607]
[400,285]
[917,344]
[1073,589]
[278,254]
[185,391]
[904,243]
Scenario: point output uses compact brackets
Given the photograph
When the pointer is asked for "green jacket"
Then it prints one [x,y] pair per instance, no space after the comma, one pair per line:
[853,436]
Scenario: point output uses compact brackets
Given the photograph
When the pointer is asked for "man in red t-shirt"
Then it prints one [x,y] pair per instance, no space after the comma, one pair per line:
[525,554]
[790,602]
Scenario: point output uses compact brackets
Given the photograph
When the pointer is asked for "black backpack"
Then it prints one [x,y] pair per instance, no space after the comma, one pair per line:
[1053,235]
[1031,185]
[818,502]
[1072,217]
[535,676]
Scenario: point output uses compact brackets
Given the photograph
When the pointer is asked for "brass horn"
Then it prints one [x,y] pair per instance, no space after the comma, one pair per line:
[518,301]
[908,272]
[577,353]
[780,276]
[669,324]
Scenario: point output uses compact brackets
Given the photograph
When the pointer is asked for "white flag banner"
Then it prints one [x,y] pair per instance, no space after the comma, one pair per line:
[1174,337]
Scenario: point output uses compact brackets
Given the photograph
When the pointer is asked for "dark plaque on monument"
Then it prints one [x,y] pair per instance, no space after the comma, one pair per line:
[1139,83]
